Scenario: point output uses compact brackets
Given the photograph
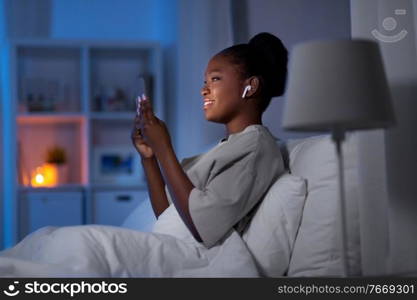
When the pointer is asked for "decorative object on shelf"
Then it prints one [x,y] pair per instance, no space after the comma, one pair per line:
[45,176]
[42,94]
[116,165]
[118,100]
[114,99]
[57,157]
[108,97]
[338,86]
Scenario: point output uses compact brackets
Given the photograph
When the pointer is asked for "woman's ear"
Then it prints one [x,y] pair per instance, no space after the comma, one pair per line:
[254,83]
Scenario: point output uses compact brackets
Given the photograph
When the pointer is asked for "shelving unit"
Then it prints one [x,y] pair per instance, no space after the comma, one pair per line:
[79,95]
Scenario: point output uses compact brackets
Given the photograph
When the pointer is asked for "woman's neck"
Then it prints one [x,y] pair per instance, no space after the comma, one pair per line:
[239,125]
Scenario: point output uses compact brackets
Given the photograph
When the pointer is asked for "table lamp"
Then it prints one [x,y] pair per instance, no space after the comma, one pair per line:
[337,86]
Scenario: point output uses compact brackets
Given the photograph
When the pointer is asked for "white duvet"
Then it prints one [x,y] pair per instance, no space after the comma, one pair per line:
[105,251]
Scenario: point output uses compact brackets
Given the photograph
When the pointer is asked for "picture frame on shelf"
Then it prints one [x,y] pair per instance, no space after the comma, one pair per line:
[116,165]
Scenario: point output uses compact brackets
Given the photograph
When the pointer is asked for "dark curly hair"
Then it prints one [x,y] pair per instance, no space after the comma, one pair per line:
[266,57]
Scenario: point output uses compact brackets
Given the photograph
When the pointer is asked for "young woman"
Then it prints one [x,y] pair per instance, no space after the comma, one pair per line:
[212,194]
[217,190]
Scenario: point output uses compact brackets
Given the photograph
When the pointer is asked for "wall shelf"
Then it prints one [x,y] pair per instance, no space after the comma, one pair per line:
[59,188]
[80,95]
[113,116]
[49,118]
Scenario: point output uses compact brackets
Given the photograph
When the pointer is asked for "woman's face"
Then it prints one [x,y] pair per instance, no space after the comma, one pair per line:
[222,90]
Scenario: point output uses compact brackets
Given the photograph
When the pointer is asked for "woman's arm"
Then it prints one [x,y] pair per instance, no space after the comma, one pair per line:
[156,185]
[179,185]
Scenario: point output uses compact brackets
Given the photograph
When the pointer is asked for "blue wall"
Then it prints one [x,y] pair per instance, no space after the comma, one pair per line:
[297,21]
[108,19]
[2,33]
[6,203]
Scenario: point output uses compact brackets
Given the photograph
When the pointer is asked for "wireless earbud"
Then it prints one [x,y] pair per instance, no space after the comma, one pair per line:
[247,88]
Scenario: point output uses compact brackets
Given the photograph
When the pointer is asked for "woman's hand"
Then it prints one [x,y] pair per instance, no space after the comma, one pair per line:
[154,131]
[157,137]
[138,141]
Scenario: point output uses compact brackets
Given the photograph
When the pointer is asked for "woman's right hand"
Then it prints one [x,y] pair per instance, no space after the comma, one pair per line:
[138,141]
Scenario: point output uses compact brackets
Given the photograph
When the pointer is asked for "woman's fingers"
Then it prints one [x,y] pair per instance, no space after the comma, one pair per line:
[137,122]
[136,130]
[138,100]
[143,114]
[141,110]
[148,114]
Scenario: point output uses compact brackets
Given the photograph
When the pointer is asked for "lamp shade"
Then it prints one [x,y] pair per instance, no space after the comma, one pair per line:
[337,84]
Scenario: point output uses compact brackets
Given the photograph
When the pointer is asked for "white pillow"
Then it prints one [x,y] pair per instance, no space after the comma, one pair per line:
[272,231]
[170,222]
[317,246]
[142,218]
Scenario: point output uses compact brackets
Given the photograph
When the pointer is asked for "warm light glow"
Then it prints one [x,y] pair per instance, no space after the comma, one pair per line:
[45,176]
[39,178]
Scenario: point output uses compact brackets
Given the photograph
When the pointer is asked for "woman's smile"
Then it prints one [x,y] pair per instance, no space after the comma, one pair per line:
[208,103]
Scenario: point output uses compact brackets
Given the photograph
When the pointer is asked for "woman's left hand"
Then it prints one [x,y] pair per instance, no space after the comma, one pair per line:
[154,130]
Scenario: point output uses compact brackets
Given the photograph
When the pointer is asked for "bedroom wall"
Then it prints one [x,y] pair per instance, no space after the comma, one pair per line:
[293,20]
[1,164]
[389,205]
[107,19]
[2,171]
[297,21]
[204,29]
[17,21]
[1,124]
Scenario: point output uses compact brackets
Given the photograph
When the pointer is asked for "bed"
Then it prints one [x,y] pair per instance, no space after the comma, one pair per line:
[293,232]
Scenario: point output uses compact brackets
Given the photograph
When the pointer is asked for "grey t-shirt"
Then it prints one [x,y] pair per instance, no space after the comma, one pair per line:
[230,180]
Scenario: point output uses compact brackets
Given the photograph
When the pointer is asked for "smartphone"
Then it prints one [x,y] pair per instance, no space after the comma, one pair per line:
[141,93]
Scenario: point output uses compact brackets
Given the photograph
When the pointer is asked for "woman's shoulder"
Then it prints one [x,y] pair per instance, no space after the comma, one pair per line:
[254,140]
[255,137]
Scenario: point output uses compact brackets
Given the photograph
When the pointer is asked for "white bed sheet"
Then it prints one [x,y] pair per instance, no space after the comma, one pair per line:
[105,251]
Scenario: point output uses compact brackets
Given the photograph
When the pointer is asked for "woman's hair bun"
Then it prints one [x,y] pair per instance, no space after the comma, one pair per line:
[272,56]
